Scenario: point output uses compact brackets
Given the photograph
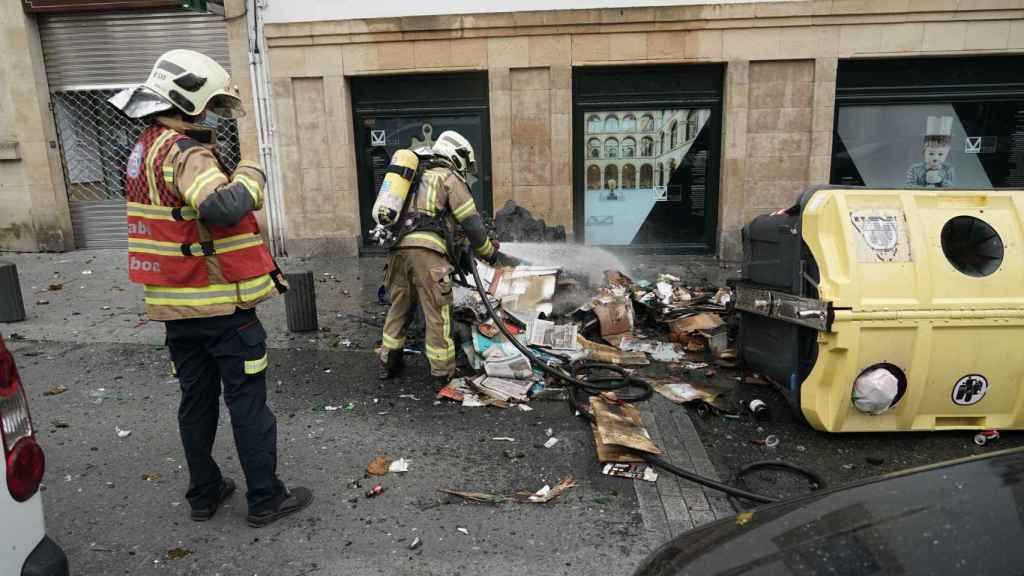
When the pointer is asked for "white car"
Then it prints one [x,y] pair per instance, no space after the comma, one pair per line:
[25,549]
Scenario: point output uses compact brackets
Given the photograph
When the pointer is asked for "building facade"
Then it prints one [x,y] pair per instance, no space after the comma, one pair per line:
[661,128]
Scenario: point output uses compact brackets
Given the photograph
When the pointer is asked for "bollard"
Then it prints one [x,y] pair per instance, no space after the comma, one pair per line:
[300,302]
[12,307]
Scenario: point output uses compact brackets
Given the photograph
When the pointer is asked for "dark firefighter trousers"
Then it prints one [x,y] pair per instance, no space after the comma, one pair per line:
[207,352]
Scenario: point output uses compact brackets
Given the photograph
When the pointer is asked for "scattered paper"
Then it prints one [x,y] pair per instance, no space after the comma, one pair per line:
[400,465]
[547,334]
[462,530]
[505,361]
[551,442]
[122,433]
[681,392]
[503,439]
[524,407]
[504,389]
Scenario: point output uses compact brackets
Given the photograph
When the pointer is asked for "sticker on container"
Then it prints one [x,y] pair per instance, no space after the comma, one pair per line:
[660,193]
[972,145]
[969,390]
[881,235]
[378,138]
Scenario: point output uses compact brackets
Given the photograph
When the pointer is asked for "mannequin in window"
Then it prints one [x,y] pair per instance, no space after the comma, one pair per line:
[934,172]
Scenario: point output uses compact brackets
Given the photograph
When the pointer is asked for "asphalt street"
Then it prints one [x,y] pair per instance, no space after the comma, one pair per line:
[116,504]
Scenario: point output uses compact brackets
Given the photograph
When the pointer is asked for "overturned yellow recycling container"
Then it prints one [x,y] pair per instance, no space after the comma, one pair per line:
[890,310]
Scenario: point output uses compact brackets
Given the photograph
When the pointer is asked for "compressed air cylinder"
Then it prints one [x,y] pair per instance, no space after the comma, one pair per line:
[395,188]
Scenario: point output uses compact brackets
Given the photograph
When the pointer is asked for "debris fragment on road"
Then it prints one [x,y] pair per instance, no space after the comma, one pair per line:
[379,466]
[549,493]
[633,471]
[399,466]
[122,433]
[56,390]
[178,553]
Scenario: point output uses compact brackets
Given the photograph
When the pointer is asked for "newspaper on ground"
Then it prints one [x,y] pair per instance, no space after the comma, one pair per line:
[547,334]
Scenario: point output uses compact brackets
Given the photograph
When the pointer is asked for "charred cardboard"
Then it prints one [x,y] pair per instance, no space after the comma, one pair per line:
[621,425]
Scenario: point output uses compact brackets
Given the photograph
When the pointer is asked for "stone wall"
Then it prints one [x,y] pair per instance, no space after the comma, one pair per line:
[780,57]
[33,203]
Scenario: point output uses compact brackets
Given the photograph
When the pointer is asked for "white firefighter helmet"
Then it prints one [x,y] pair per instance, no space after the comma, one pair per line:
[184,79]
[457,150]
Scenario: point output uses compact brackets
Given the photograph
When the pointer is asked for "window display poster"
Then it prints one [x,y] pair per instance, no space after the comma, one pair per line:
[645,176]
[952,145]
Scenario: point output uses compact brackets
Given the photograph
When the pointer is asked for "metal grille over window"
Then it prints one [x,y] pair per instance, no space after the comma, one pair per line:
[95,141]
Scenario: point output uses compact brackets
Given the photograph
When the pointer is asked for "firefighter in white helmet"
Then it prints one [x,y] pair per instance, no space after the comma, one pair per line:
[194,244]
[419,266]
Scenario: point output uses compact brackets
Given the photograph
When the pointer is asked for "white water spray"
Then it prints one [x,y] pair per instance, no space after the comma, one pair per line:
[574,259]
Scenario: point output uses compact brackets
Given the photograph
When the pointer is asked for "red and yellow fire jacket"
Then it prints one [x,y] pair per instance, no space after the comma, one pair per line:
[193,240]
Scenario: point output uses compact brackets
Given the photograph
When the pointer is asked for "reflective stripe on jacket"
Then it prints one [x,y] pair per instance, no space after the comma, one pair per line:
[190,266]
[442,193]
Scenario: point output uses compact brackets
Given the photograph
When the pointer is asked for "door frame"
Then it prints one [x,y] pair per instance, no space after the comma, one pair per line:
[456,102]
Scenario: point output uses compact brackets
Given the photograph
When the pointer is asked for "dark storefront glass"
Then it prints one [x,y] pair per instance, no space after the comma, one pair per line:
[394,112]
[646,157]
[904,124]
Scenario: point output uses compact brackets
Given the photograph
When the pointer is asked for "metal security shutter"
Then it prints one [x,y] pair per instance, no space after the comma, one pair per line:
[90,55]
[115,49]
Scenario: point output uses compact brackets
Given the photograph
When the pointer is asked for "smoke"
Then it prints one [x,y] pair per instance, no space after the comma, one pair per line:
[584,262]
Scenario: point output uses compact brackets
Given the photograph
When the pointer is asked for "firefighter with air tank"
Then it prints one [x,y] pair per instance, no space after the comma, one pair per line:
[422,200]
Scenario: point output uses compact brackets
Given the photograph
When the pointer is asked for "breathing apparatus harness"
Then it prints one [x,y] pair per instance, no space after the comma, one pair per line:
[410,221]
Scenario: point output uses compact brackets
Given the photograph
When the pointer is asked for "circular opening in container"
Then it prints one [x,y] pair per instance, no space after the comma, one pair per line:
[901,388]
[972,246]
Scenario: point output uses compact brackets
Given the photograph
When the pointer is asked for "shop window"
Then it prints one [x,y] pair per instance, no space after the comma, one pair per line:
[593,177]
[611,148]
[628,147]
[594,147]
[629,176]
[646,176]
[930,123]
[617,200]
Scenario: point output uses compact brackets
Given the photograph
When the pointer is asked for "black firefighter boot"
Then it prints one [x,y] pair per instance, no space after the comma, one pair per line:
[391,365]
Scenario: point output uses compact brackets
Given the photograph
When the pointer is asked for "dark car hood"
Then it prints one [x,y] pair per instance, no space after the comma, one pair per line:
[963,517]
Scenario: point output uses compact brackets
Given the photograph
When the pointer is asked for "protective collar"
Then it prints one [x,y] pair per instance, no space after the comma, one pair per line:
[204,135]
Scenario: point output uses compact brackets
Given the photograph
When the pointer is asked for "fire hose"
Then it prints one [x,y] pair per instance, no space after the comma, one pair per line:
[583,379]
